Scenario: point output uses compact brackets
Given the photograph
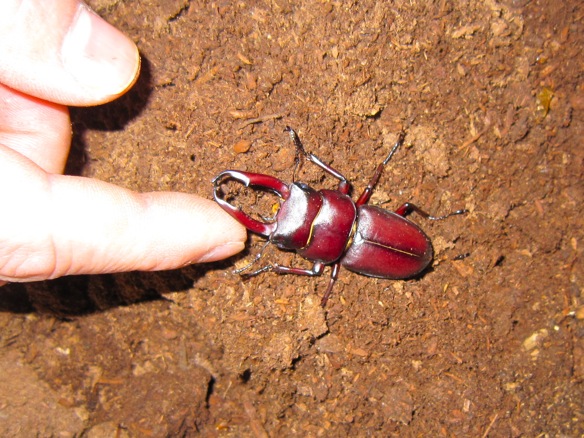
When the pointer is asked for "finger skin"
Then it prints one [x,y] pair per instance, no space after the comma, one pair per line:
[55,225]
[63,52]
[37,129]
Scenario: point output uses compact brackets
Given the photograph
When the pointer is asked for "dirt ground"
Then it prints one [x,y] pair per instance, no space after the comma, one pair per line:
[491,94]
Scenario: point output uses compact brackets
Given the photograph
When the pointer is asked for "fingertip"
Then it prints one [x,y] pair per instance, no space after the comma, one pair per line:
[220,252]
[223,236]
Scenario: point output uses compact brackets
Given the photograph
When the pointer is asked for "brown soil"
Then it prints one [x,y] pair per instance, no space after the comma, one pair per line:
[488,345]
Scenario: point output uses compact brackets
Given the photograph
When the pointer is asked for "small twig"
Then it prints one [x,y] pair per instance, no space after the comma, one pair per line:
[473,139]
[488,429]
[261,119]
[190,131]
[478,135]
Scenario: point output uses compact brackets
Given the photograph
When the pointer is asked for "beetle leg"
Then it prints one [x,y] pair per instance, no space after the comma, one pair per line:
[254,273]
[316,270]
[364,198]
[254,261]
[408,208]
[300,152]
[344,185]
[329,289]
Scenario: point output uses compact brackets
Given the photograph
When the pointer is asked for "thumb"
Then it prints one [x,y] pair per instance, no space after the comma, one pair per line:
[63,52]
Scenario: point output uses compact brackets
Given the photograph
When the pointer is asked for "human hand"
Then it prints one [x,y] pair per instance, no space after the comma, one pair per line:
[60,53]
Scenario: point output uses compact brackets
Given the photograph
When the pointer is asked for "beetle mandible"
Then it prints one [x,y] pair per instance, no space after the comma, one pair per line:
[327,227]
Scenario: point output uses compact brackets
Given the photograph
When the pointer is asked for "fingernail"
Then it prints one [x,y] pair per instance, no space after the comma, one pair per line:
[99,56]
[221,252]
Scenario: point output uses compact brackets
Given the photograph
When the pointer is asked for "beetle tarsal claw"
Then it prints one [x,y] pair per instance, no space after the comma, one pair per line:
[446,216]
[255,260]
[254,273]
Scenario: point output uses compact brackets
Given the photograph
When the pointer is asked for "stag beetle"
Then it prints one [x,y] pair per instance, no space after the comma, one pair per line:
[328,228]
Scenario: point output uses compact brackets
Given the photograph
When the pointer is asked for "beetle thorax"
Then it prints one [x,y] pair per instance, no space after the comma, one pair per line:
[295,218]
[316,224]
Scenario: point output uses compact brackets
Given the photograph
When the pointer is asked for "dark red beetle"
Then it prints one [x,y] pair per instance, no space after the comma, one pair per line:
[328,228]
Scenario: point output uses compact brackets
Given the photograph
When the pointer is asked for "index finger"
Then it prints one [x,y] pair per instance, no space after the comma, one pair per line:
[55,225]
